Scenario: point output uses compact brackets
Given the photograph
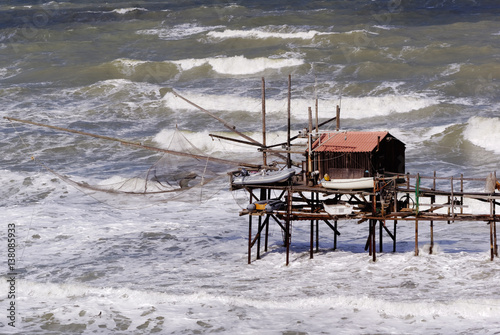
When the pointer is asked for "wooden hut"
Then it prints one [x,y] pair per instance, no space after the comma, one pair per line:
[354,154]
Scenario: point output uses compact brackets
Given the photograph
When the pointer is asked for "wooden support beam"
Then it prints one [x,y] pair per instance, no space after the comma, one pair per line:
[332,227]
[394,239]
[311,245]
[432,237]
[289,117]
[287,225]
[338,118]
[433,199]
[317,225]
[335,236]
[267,226]
[381,227]
[283,228]
[313,206]
[495,238]
[260,227]
[492,246]
[416,237]
[249,239]
[373,247]
[264,154]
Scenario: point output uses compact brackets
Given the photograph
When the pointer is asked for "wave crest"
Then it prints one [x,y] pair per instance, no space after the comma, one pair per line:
[484,132]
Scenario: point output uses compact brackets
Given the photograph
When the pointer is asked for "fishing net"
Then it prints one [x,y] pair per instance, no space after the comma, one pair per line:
[181,173]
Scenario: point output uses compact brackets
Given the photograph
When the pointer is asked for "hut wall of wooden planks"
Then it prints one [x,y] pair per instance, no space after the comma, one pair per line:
[352,154]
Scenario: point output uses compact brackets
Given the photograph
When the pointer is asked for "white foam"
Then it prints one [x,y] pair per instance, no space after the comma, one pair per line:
[265,33]
[236,65]
[127,66]
[128,10]
[451,69]
[178,32]
[352,107]
[484,132]
[239,65]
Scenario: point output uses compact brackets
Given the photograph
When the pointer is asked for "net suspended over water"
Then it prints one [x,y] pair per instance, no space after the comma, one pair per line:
[183,172]
[171,176]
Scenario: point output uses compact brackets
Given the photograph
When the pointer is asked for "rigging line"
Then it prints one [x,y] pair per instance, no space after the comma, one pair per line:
[233,192]
[172,138]
[226,124]
[202,183]
[195,148]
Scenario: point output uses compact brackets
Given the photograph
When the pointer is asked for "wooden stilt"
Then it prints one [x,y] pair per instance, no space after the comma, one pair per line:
[317,235]
[416,237]
[288,158]
[374,254]
[394,239]
[492,248]
[492,230]
[493,213]
[495,246]
[433,199]
[311,236]
[287,230]
[335,237]
[249,239]
[264,153]
[432,238]
[495,223]
[258,237]
[461,191]
[380,230]
[267,234]
[267,224]
[311,247]
[317,226]
[369,241]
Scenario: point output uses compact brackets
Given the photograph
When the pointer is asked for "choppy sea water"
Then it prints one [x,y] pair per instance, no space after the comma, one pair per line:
[90,263]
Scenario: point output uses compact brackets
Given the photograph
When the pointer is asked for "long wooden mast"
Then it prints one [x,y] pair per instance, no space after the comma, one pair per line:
[135,144]
[288,156]
[264,153]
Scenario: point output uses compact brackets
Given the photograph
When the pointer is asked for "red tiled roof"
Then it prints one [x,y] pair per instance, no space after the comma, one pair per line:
[350,141]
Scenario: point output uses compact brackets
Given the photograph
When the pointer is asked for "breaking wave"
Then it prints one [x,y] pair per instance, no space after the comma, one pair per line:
[260,33]
[484,132]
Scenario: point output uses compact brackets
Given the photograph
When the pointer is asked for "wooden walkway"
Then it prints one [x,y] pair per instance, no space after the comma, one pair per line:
[398,198]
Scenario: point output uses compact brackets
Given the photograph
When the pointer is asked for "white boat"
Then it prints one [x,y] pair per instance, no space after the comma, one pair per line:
[349,184]
[263,177]
[338,209]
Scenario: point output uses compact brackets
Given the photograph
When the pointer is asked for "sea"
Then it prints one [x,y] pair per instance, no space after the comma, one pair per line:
[80,256]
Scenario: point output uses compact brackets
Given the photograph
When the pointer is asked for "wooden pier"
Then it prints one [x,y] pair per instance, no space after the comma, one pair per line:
[393,195]
[398,199]
[396,196]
